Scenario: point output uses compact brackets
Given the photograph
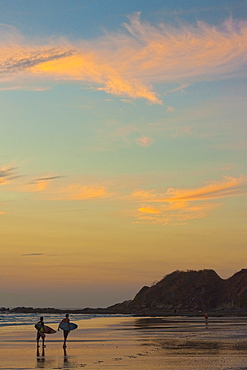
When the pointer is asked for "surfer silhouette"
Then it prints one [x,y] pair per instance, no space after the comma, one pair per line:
[65,332]
[41,332]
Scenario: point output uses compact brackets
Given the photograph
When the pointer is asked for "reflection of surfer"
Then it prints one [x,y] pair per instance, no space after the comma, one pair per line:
[40,360]
[65,332]
[41,331]
[65,358]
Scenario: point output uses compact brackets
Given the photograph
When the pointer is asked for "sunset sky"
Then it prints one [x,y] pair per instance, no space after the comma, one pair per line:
[122,146]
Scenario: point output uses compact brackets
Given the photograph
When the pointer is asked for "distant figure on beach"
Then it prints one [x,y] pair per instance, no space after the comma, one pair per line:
[206,319]
[65,332]
[41,332]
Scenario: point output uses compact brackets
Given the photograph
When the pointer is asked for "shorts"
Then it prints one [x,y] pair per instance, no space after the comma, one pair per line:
[40,335]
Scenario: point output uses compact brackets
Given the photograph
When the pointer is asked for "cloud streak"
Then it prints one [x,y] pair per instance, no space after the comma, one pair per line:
[27,59]
[32,254]
[129,63]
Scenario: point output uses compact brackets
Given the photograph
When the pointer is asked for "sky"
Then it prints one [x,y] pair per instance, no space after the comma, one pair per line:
[122,146]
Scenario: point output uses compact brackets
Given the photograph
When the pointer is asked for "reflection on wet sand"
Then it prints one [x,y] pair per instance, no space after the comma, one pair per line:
[65,357]
[192,335]
[187,347]
[42,363]
[40,358]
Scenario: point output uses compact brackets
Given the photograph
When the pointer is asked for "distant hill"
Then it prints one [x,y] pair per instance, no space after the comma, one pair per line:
[189,291]
[236,289]
[181,292]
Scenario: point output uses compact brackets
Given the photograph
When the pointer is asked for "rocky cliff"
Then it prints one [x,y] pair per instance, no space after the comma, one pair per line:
[190,291]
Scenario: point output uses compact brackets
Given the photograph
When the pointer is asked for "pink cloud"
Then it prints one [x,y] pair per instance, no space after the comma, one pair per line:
[144,141]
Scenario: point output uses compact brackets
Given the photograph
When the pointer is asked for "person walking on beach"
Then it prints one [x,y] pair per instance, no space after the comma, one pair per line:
[41,332]
[65,332]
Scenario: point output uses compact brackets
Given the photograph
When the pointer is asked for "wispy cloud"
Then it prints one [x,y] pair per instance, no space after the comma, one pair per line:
[166,53]
[80,192]
[41,183]
[150,210]
[129,63]
[27,58]
[167,215]
[229,187]
[7,174]
[51,190]
[177,205]
[49,178]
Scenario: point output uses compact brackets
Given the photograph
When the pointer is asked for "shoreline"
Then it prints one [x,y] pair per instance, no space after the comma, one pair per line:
[108,311]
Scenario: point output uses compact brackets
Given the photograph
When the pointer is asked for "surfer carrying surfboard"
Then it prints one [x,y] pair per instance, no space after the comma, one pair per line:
[65,332]
[41,331]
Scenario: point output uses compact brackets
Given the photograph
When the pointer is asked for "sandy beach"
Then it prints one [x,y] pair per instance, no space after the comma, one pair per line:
[131,343]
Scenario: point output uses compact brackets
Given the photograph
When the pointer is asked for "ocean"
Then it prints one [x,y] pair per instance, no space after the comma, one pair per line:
[8,319]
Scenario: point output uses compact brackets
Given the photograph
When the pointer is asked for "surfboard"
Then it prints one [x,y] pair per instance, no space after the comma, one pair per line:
[47,330]
[68,326]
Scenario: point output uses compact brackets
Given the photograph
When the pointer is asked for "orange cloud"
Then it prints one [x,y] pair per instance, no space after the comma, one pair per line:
[89,68]
[128,63]
[39,184]
[150,210]
[81,192]
[77,67]
[51,190]
[3,181]
[178,205]
[230,187]
[166,53]
[168,216]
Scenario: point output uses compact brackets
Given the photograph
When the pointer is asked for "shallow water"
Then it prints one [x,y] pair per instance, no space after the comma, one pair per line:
[18,319]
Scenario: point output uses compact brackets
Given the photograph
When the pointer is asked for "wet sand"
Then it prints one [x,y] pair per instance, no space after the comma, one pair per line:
[131,343]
